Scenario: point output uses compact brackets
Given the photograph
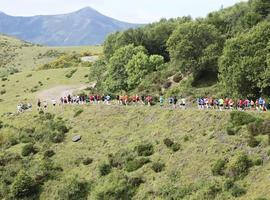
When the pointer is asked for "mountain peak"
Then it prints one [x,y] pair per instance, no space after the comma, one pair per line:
[86,10]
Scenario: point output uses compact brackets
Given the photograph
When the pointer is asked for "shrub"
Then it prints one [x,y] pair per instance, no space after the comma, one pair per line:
[237,191]
[48,153]
[256,128]
[135,181]
[121,158]
[186,138]
[115,186]
[133,165]
[71,73]
[260,198]
[74,189]
[211,191]
[241,118]
[168,142]
[176,147]
[23,186]
[228,184]
[158,167]
[28,149]
[78,112]
[239,167]
[104,169]
[258,162]
[28,75]
[253,142]
[4,79]
[145,149]
[57,137]
[231,130]
[87,161]
[3,92]
[219,167]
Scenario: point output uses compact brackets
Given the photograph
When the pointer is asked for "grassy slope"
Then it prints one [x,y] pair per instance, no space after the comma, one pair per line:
[25,56]
[107,129]
[18,86]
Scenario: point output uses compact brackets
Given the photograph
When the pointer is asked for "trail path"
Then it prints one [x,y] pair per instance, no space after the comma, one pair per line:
[60,91]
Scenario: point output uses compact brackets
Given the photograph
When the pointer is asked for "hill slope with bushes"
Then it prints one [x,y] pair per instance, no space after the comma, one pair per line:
[152,153]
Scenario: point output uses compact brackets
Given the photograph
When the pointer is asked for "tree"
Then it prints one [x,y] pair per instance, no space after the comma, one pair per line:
[117,76]
[192,47]
[262,7]
[23,185]
[243,67]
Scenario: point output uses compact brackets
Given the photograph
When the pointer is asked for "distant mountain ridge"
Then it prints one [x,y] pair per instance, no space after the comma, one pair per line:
[83,27]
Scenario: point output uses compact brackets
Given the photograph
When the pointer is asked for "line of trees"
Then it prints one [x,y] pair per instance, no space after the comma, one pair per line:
[231,44]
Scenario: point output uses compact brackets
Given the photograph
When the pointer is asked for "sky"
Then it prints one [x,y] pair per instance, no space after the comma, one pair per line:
[135,11]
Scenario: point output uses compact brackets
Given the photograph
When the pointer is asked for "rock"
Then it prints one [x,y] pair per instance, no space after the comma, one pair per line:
[76,138]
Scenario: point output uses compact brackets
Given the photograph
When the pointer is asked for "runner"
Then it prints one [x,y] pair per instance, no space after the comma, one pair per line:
[45,105]
[149,100]
[53,102]
[161,101]
[175,102]
[39,105]
[221,104]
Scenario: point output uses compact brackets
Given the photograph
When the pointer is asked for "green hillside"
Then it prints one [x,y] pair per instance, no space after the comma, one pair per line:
[141,152]
[18,55]
[130,160]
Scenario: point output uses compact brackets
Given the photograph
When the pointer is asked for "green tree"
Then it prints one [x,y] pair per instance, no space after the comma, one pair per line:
[195,47]
[243,67]
[262,7]
[117,76]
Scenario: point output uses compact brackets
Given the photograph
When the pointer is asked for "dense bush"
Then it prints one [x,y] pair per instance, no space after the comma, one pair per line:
[219,167]
[238,118]
[133,165]
[231,130]
[238,167]
[158,167]
[258,162]
[23,186]
[253,142]
[104,169]
[120,158]
[115,186]
[145,149]
[168,142]
[87,161]
[48,153]
[259,127]
[176,147]
[74,189]
[28,149]
[49,128]
[237,191]
[172,145]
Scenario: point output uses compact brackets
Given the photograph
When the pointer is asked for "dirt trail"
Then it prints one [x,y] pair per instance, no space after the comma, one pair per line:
[60,91]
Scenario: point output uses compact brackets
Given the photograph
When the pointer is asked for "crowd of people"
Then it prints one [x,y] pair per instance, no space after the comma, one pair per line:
[172,102]
[231,104]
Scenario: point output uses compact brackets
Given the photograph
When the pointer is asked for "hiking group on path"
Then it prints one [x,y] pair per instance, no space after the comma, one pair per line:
[171,102]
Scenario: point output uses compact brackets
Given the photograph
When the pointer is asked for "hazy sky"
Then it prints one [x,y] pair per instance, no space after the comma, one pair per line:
[139,11]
